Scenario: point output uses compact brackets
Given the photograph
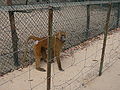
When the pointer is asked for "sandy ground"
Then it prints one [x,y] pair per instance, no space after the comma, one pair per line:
[81,65]
[110,80]
[69,19]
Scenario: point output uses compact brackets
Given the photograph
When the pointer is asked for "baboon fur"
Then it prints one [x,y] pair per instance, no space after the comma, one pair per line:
[40,48]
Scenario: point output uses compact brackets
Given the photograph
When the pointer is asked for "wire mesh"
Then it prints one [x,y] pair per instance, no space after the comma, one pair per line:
[68,17]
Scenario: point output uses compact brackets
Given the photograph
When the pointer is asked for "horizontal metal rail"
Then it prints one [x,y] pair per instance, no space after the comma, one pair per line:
[19,8]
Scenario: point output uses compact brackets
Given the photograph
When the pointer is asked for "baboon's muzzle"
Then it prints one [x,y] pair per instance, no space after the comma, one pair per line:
[63,39]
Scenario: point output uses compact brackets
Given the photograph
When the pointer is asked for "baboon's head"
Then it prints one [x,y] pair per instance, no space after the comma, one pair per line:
[61,36]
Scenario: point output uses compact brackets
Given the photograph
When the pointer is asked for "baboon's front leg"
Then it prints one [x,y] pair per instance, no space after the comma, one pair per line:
[57,54]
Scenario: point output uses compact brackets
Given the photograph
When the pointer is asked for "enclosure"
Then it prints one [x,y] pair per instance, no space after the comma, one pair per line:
[85,24]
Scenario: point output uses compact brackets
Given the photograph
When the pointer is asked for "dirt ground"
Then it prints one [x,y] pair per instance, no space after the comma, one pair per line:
[110,80]
[69,19]
[81,65]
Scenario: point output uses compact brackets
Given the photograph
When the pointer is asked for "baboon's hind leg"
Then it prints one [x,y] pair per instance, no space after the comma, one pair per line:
[37,53]
[44,54]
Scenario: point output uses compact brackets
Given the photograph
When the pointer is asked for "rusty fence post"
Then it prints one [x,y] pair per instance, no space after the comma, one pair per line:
[88,22]
[26,3]
[50,21]
[105,39]
[13,34]
[118,16]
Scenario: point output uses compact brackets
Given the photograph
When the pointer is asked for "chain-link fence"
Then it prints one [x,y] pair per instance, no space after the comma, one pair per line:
[28,2]
[81,21]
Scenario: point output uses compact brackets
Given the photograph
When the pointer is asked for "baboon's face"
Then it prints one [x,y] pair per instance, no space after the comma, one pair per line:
[62,36]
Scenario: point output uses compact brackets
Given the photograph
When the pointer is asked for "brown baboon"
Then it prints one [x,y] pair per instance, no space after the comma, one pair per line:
[41,46]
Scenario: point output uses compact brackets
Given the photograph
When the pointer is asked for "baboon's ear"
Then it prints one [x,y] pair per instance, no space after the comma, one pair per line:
[57,35]
[65,33]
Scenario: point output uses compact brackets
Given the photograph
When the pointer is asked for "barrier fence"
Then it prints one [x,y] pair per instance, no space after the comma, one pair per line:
[82,21]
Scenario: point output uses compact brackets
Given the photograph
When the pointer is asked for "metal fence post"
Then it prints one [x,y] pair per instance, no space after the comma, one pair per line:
[105,39]
[26,3]
[13,34]
[50,21]
[118,15]
[88,22]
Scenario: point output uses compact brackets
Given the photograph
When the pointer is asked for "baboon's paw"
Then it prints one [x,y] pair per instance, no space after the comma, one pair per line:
[41,69]
[61,69]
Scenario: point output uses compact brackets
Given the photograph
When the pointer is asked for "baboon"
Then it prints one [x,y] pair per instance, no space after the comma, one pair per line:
[40,48]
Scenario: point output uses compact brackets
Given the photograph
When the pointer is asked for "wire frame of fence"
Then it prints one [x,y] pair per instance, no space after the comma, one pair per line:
[81,21]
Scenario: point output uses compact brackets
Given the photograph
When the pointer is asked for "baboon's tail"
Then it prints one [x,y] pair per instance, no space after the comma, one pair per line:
[25,52]
[34,38]
[26,46]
